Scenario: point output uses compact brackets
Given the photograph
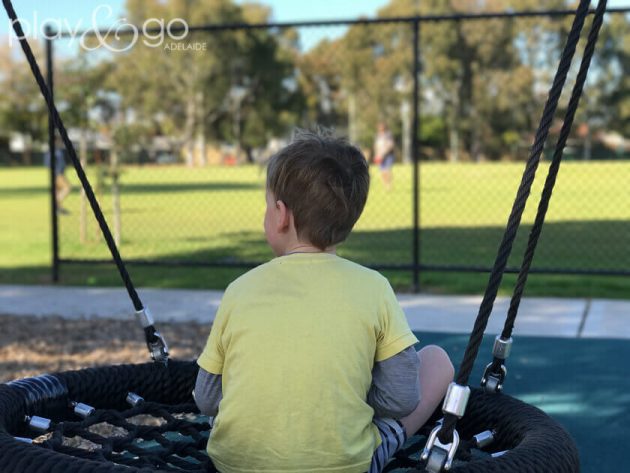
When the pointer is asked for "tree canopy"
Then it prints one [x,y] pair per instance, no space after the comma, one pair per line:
[482,82]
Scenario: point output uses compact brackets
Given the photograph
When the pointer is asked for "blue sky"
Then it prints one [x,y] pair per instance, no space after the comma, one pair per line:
[79,14]
[75,11]
[284,10]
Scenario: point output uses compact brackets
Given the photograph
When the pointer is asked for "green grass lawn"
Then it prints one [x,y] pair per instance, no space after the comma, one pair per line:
[215,214]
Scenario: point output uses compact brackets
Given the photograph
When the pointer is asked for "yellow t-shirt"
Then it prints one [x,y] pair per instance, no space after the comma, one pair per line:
[295,341]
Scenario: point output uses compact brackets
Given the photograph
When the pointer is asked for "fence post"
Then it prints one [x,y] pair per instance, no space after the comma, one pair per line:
[416,157]
[53,160]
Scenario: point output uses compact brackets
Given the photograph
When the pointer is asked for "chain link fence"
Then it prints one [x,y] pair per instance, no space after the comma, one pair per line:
[176,142]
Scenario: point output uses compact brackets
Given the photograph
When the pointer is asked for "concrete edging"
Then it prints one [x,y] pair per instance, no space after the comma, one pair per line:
[541,317]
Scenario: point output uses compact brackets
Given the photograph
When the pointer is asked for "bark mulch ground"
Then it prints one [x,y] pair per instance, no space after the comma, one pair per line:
[30,346]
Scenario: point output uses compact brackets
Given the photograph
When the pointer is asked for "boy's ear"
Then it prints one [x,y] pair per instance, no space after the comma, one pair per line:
[284,216]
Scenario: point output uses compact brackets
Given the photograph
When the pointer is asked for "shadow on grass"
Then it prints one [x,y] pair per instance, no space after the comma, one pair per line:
[593,245]
[569,246]
[596,245]
[145,188]
[12,192]
[162,187]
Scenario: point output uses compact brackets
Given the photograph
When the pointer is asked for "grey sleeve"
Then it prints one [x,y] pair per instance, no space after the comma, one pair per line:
[395,390]
[208,392]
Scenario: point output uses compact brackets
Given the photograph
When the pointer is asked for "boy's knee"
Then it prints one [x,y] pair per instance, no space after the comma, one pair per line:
[438,357]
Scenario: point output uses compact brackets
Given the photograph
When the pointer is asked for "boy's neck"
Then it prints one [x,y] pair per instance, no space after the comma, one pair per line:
[308,248]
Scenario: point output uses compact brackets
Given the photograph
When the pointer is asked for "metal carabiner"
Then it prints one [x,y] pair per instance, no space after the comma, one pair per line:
[439,456]
[491,381]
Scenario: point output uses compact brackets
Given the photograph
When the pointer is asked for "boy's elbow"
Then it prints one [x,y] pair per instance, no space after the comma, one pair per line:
[206,406]
[394,407]
[409,406]
[405,406]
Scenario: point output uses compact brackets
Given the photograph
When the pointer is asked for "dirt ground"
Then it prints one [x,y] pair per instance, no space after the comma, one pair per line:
[31,346]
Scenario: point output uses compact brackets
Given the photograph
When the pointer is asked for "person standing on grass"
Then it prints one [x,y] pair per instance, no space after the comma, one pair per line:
[384,154]
[310,364]
[62,185]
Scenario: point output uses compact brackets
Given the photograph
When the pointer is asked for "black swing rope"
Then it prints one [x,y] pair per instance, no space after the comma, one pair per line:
[155,342]
[445,434]
[553,172]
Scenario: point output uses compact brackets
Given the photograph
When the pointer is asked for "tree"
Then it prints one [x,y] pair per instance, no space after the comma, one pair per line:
[480,78]
[22,109]
[233,90]
[608,97]
[377,72]
[319,83]
[263,98]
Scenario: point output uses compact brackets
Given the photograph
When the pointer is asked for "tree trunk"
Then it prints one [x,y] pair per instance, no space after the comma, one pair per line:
[189,146]
[453,138]
[200,147]
[453,129]
[27,158]
[475,136]
[99,188]
[116,197]
[83,208]
[189,152]
[352,118]
[201,132]
[405,115]
[586,152]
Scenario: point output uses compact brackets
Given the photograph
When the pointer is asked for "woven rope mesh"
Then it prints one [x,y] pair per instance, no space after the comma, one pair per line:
[166,433]
[151,435]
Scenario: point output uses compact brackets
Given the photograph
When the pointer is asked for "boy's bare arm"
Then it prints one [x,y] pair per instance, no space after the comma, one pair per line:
[395,390]
[208,392]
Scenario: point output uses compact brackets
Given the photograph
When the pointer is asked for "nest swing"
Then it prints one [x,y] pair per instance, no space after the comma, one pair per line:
[142,418]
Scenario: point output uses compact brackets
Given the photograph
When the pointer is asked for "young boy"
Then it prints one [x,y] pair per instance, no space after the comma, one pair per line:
[310,364]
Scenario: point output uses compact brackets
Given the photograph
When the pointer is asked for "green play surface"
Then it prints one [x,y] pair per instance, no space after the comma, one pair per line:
[584,384]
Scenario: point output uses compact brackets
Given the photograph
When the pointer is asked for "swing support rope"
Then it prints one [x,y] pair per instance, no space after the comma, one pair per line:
[554,168]
[155,342]
[445,432]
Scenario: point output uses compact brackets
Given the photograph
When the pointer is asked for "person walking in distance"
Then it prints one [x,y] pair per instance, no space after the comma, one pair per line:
[62,185]
[384,154]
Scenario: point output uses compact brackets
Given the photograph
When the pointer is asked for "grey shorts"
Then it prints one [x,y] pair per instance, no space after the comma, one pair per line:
[393,437]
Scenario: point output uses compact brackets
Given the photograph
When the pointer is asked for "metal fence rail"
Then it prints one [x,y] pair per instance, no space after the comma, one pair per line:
[438,216]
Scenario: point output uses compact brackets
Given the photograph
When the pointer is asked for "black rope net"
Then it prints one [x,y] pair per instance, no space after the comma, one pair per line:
[166,433]
[162,432]
[150,435]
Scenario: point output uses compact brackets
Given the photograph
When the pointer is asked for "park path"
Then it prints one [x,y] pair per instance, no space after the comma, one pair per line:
[540,317]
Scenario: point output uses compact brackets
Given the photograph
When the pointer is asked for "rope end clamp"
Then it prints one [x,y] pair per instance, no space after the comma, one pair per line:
[440,456]
[82,410]
[156,344]
[492,380]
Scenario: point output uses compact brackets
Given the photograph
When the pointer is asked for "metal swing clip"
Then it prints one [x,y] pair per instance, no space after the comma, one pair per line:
[492,381]
[157,347]
[440,456]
